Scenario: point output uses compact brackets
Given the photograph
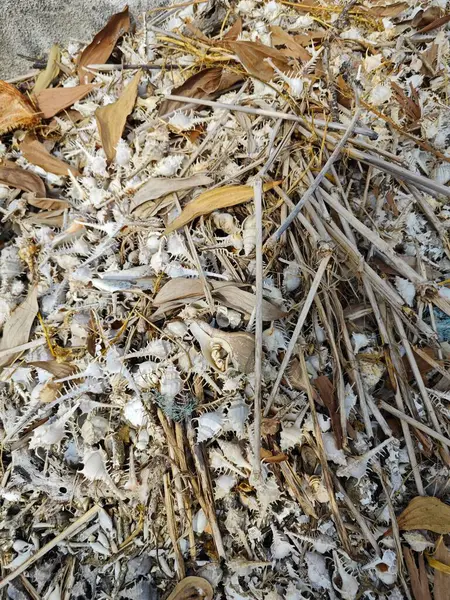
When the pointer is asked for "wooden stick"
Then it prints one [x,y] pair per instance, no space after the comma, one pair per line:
[271,113]
[298,328]
[88,516]
[416,424]
[172,529]
[317,181]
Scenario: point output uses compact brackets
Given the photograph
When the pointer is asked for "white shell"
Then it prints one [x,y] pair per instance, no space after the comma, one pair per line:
[171,383]
[348,585]
[280,547]
[94,429]
[274,339]
[209,425]
[386,567]
[237,414]
[224,484]
[233,453]
[95,465]
[134,412]
[249,234]
[291,277]
[289,437]
[224,221]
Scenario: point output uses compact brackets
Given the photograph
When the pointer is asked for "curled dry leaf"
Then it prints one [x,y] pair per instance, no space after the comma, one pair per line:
[22,180]
[182,291]
[418,575]
[192,588]
[46,203]
[111,119]
[16,330]
[426,512]
[54,100]
[441,578]
[235,30]
[50,72]
[37,154]
[16,111]
[99,50]
[282,38]
[201,85]
[157,187]
[223,197]
[387,10]
[57,369]
[253,54]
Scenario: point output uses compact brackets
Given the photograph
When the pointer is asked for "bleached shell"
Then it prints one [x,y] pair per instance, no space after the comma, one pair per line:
[233,453]
[48,434]
[417,541]
[94,429]
[291,277]
[249,234]
[95,465]
[274,339]
[171,383]
[280,547]
[237,414]
[225,221]
[332,451]
[441,173]
[290,437]
[134,413]
[145,376]
[223,485]
[209,425]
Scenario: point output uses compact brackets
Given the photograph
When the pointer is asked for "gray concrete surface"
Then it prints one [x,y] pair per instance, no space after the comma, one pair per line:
[30,27]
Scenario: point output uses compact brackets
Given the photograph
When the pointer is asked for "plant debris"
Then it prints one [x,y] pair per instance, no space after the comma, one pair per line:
[225,307]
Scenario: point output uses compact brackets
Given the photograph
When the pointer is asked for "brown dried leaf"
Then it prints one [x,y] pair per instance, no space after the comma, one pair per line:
[22,180]
[435,24]
[235,30]
[252,55]
[58,369]
[328,397]
[111,118]
[223,197]
[47,203]
[201,85]
[427,16]
[54,218]
[192,588]
[410,107]
[16,330]
[441,579]
[157,187]
[16,111]
[99,50]
[182,290]
[54,100]
[385,10]
[50,72]
[425,512]
[418,576]
[37,154]
[282,38]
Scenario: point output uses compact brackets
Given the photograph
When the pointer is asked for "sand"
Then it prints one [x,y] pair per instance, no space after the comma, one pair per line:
[30,27]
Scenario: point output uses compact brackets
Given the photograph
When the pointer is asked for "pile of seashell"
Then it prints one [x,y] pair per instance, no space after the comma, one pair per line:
[224,261]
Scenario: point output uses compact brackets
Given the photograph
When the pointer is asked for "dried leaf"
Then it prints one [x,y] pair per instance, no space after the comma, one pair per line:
[435,24]
[426,512]
[22,180]
[223,197]
[427,16]
[201,85]
[54,218]
[418,576]
[182,291]
[410,107]
[282,38]
[47,203]
[58,369]
[50,72]
[438,565]
[111,119]
[385,10]
[99,50]
[441,579]
[16,330]
[235,30]
[37,154]
[54,100]
[16,111]
[192,588]
[157,187]
[252,55]
[328,397]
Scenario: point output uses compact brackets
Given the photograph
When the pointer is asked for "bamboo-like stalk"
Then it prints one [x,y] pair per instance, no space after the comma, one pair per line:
[258,192]
[299,326]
